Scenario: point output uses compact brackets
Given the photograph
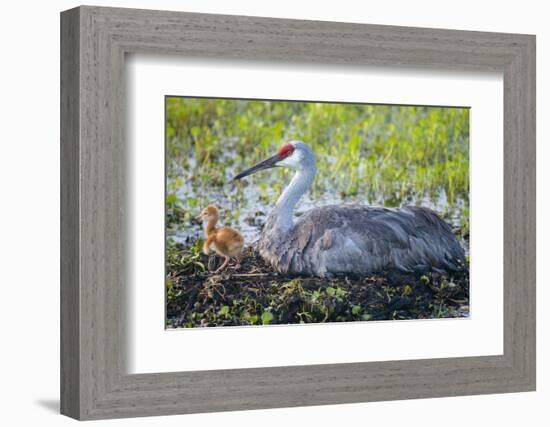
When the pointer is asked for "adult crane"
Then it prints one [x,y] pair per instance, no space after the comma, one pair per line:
[349,238]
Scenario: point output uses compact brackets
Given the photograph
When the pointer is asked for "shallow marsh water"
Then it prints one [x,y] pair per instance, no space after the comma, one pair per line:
[246,204]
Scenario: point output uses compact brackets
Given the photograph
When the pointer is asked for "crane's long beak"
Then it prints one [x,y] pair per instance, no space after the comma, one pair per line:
[265,164]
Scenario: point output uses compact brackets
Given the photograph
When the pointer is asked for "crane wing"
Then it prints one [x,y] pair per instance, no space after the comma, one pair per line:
[360,239]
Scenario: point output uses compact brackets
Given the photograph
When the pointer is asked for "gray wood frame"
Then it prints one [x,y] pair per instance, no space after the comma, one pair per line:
[94,41]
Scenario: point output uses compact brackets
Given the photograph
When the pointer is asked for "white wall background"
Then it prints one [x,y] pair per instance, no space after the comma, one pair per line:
[29,224]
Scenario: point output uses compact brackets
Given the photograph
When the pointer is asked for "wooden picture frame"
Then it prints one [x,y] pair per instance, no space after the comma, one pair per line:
[94,382]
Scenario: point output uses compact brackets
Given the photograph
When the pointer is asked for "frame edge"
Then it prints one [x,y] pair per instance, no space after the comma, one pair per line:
[70,389]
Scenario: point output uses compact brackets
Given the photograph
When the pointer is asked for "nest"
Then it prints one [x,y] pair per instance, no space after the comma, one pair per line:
[254,294]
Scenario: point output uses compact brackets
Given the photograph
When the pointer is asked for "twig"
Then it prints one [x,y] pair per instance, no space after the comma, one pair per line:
[251,275]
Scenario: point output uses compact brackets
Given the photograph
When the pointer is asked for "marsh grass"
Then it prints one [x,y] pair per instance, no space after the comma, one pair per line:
[374,154]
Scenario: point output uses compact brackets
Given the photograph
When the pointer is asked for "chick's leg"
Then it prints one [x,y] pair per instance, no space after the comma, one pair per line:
[223,265]
[237,263]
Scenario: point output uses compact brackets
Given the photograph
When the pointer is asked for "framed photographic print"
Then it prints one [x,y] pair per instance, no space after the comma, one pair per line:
[297,212]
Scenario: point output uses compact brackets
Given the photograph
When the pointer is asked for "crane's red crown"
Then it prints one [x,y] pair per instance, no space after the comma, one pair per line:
[286,150]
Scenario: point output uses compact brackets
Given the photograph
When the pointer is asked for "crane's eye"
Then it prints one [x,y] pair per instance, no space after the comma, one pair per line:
[286,150]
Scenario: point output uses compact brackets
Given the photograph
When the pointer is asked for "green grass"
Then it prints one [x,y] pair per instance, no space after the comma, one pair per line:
[376,154]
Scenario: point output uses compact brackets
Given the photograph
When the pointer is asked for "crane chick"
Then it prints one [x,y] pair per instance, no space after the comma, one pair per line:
[227,241]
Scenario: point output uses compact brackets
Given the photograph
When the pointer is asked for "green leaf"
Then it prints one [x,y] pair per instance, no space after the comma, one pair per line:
[192,202]
[340,292]
[224,311]
[356,309]
[171,199]
[330,291]
[366,317]
[266,317]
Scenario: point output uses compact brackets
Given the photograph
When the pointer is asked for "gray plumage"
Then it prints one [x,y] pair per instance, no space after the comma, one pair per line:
[334,240]
[350,239]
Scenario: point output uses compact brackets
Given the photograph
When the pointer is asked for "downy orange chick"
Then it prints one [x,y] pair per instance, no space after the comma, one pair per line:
[227,241]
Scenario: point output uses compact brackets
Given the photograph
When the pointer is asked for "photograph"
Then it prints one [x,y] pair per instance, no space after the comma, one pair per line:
[293,212]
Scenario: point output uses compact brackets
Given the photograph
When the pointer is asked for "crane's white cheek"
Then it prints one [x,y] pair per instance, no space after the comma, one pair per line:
[291,161]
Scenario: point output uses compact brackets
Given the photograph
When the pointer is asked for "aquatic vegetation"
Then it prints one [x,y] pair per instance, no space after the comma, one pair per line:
[374,154]
[254,295]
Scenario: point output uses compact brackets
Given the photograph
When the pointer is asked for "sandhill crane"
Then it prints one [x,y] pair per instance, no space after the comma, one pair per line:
[349,238]
[227,241]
